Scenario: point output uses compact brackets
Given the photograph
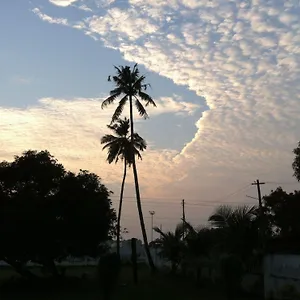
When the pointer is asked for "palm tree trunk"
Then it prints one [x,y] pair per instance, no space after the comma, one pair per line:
[120,209]
[137,191]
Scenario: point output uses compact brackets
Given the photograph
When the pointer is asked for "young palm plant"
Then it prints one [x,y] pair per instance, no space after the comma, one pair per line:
[130,86]
[119,147]
[172,245]
[239,229]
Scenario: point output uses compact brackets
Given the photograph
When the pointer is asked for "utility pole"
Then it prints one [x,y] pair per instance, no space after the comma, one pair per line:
[152,213]
[183,217]
[258,183]
[261,212]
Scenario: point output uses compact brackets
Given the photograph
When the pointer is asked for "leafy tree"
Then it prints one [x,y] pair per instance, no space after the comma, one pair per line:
[201,242]
[282,212]
[119,147]
[172,245]
[48,213]
[131,87]
[296,162]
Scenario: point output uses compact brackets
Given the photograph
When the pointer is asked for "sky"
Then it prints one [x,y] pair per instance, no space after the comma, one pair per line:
[224,74]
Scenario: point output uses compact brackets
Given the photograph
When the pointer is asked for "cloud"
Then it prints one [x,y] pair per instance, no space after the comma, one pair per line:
[85,8]
[71,130]
[21,80]
[51,20]
[243,57]
[135,28]
[169,105]
[63,3]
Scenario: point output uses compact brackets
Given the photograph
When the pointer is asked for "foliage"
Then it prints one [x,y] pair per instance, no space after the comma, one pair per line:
[282,209]
[239,229]
[48,213]
[172,245]
[296,162]
[119,146]
[130,86]
[202,242]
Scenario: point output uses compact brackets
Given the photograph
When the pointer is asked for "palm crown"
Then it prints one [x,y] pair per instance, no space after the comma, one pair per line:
[119,145]
[128,83]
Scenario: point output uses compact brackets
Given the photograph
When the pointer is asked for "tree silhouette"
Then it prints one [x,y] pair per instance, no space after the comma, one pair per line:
[119,147]
[239,230]
[282,212]
[296,162]
[48,213]
[131,87]
[172,245]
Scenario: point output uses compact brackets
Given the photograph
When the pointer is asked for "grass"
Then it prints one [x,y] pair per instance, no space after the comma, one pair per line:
[157,287]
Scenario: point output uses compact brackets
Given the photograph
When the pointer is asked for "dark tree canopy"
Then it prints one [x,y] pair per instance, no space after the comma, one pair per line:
[282,209]
[238,229]
[48,213]
[296,163]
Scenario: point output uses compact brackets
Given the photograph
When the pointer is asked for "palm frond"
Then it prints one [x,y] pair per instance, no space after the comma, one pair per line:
[120,127]
[108,138]
[119,69]
[110,100]
[179,230]
[189,227]
[137,85]
[117,90]
[120,82]
[139,142]
[141,110]
[119,109]
[138,154]
[113,153]
[157,229]
[147,98]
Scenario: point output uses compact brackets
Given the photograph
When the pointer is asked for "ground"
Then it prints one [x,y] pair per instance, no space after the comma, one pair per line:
[82,284]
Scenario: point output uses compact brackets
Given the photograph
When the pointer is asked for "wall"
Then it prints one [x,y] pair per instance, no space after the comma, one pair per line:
[282,277]
[125,252]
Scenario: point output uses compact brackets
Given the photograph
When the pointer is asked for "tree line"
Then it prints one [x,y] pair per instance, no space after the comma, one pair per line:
[237,238]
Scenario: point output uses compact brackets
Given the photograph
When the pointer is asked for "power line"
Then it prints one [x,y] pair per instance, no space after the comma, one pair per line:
[273,182]
[199,204]
[127,217]
[217,201]
[176,199]
[186,203]
[242,189]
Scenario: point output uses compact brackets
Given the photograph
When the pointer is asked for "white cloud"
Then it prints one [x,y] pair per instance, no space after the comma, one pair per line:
[63,3]
[85,8]
[135,27]
[51,20]
[71,130]
[243,57]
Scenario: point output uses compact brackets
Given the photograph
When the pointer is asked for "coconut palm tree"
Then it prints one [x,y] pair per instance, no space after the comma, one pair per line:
[119,147]
[130,86]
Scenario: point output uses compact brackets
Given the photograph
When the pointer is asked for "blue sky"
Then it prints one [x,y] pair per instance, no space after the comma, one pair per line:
[224,74]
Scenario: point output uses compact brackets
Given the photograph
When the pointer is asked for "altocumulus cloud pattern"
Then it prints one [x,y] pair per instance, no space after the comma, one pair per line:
[242,56]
